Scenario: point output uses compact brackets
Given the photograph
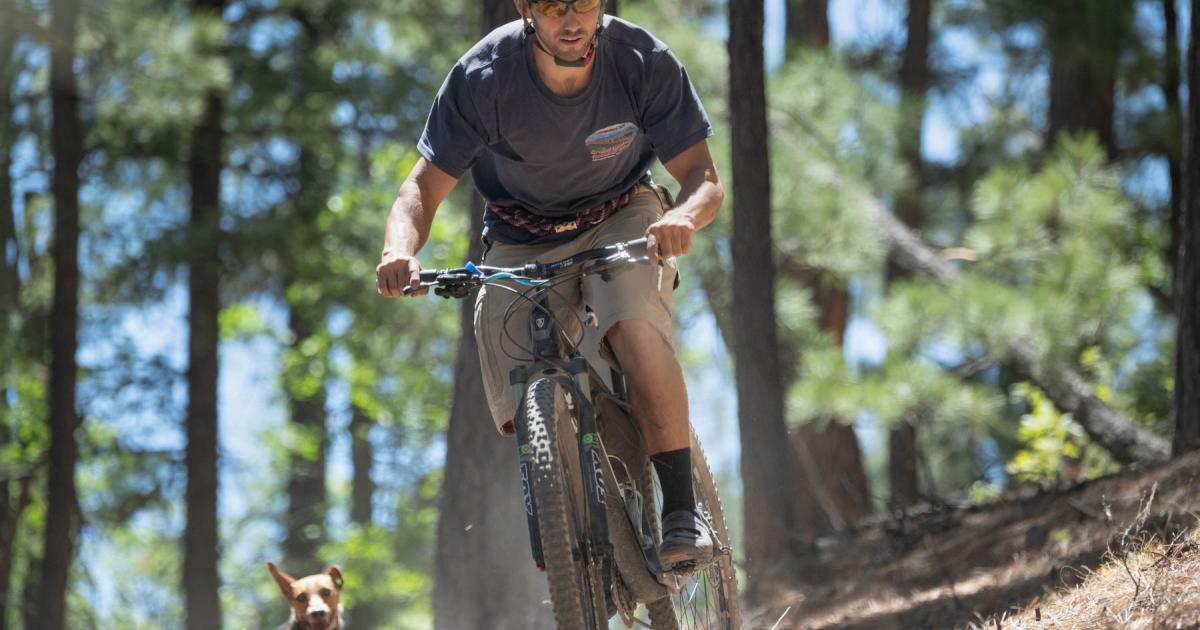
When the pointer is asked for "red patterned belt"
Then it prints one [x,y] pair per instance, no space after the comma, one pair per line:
[541,226]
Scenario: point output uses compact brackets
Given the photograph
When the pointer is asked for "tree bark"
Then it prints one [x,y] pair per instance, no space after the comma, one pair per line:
[1174,141]
[67,140]
[1187,283]
[307,502]
[807,24]
[904,487]
[9,280]
[482,540]
[201,538]
[1085,38]
[767,499]
[914,82]
[362,487]
[1069,391]
[8,536]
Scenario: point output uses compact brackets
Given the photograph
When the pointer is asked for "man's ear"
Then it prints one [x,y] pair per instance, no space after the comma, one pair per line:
[336,575]
[282,579]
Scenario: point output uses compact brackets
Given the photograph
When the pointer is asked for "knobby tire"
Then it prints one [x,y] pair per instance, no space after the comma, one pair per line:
[576,586]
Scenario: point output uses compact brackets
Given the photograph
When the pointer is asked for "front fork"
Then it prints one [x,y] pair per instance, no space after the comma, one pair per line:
[591,460]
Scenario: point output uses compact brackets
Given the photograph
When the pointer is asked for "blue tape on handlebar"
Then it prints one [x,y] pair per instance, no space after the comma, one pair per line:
[473,269]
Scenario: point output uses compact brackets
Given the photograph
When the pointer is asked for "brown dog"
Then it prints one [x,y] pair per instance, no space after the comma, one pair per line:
[313,599]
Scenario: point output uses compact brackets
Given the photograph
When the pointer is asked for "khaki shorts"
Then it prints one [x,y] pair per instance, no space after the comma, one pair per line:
[634,292]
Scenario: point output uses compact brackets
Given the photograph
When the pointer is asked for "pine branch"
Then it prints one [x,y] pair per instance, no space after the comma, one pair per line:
[1067,389]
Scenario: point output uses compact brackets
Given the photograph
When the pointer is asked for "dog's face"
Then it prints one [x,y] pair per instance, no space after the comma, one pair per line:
[314,599]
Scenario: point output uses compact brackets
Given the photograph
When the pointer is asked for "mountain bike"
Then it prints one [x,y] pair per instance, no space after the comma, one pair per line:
[589,489]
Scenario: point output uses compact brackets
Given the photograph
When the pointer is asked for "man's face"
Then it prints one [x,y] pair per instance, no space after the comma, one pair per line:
[569,35]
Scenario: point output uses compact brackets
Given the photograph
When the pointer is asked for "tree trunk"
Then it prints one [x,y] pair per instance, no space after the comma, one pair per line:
[8,536]
[807,24]
[1084,44]
[368,613]
[362,487]
[903,487]
[914,81]
[1187,283]
[1069,391]
[201,538]
[482,540]
[67,139]
[30,590]
[307,501]
[832,491]
[767,503]
[9,280]
[1174,141]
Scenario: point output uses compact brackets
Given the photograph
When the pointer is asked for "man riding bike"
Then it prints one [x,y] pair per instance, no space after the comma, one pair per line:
[559,116]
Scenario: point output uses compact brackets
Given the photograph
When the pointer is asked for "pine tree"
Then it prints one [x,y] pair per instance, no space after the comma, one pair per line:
[767,503]
[63,518]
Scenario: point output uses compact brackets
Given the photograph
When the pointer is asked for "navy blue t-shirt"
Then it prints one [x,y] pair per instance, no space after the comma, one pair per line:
[555,156]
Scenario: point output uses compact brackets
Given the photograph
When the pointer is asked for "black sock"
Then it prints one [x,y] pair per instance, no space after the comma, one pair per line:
[674,470]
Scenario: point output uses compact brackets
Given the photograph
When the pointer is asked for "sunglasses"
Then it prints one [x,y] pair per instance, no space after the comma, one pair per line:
[559,8]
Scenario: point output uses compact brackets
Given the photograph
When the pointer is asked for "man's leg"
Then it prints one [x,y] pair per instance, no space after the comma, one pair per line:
[658,396]
[655,381]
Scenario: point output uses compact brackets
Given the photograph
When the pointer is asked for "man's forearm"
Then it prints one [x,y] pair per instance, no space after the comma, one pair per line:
[700,198]
[408,222]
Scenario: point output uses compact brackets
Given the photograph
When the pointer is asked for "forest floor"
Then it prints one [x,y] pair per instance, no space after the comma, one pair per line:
[1117,552]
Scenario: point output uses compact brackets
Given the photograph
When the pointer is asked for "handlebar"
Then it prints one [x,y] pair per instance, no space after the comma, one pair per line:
[457,282]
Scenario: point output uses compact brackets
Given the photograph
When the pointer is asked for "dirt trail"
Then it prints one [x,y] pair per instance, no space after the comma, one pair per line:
[956,566]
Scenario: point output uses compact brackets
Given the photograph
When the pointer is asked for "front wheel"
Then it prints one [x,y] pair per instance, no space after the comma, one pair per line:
[708,598]
[576,585]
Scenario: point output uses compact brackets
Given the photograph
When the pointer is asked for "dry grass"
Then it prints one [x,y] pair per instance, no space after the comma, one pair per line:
[1127,547]
[1154,584]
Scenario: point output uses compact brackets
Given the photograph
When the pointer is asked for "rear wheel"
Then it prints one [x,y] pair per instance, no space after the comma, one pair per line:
[576,585]
[706,599]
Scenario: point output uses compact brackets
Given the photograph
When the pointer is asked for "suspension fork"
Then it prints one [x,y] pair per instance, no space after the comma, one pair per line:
[591,460]
[517,379]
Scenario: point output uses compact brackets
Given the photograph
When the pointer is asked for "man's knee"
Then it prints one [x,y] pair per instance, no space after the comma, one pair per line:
[635,338]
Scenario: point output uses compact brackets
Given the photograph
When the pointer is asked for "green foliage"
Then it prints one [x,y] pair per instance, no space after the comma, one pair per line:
[1050,441]
[821,115]
[1051,268]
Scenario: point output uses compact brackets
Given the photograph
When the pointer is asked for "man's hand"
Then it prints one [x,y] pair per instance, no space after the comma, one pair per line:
[672,234]
[397,272]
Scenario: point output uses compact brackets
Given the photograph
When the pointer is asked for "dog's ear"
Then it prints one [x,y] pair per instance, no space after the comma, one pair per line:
[282,579]
[335,574]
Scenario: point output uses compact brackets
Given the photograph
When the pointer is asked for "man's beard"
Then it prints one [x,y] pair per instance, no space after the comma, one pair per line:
[568,52]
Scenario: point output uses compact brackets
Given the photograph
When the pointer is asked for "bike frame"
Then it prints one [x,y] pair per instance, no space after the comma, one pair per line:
[547,355]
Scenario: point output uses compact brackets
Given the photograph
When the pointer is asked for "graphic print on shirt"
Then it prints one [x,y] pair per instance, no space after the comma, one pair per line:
[611,141]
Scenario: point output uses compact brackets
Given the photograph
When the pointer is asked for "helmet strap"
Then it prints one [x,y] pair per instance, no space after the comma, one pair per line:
[587,57]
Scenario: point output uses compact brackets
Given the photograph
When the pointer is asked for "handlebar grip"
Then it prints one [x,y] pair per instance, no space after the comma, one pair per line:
[636,243]
[429,275]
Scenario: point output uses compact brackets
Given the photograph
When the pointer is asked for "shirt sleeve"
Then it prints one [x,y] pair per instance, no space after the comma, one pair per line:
[453,137]
[673,117]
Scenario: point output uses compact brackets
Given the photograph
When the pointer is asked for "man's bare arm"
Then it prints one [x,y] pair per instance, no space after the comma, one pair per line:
[700,197]
[408,226]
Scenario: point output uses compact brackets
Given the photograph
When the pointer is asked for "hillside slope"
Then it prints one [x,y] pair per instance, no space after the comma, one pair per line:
[953,567]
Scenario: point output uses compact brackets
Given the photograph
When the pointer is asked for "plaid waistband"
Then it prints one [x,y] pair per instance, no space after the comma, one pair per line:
[541,226]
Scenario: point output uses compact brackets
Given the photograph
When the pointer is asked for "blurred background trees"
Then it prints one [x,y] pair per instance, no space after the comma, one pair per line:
[976,222]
